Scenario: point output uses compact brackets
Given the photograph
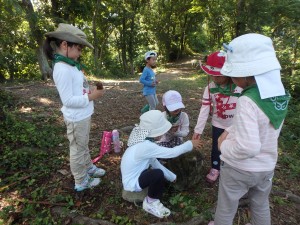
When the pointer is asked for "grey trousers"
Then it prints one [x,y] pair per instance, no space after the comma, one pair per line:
[80,159]
[152,101]
[233,185]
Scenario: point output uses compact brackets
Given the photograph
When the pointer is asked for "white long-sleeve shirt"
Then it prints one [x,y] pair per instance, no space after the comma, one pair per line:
[183,130]
[222,112]
[251,143]
[73,90]
[139,157]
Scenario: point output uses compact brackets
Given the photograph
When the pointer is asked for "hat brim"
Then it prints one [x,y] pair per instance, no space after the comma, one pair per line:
[67,36]
[161,130]
[253,68]
[175,106]
[150,56]
[210,72]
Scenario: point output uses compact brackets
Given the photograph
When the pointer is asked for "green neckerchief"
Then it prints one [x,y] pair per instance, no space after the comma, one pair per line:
[172,119]
[275,108]
[227,90]
[61,58]
[150,139]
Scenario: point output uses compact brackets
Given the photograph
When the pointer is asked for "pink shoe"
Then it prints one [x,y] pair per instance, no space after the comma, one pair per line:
[211,223]
[248,224]
[213,175]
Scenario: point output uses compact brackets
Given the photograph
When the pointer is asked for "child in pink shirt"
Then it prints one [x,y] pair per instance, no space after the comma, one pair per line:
[219,100]
[249,147]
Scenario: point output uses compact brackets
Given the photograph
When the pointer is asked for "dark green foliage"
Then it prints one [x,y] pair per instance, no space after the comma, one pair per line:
[15,131]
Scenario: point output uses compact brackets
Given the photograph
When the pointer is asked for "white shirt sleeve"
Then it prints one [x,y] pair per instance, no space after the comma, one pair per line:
[64,83]
[204,112]
[183,129]
[169,175]
[153,151]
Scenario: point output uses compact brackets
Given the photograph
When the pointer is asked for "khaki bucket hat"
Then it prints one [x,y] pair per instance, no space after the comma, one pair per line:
[70,33]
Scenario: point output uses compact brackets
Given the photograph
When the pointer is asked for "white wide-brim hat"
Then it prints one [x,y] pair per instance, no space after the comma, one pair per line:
[67,32]
[250,55]
[172,100]
[155,122]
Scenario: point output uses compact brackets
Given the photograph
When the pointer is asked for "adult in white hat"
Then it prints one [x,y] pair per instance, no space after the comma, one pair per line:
[249,147]
[172,102]
[63,46]
[142,154]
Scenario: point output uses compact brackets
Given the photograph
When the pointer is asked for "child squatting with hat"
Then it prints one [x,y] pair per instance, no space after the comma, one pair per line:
[219,99]
[172,102]
[139,165]
[63,46]
[249,147]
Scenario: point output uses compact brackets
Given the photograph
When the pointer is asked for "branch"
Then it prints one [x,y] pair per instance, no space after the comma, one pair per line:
[287,195]
[42,202]
[7,186]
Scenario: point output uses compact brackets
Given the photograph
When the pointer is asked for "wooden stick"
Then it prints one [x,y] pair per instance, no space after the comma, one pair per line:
[7,186]
[42,202]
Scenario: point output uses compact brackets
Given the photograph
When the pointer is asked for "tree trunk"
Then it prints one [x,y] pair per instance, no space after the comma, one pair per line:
[96,39]
[45,69]
[123,42]
[182,36]
[240,23]
[32,19]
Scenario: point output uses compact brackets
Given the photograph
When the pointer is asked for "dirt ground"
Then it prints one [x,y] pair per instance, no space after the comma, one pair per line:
[120,108]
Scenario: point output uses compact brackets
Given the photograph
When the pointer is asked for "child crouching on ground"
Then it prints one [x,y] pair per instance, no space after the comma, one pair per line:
[249,147]
[172,102]
[139,165]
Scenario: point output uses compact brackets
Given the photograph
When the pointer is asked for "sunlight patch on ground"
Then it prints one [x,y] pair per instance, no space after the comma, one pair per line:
[121,81]
[45,101]
[9,200]
[175,71]
[187,78]
[25,110]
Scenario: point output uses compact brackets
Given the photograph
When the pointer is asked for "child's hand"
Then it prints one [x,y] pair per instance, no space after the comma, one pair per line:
[196,136]
[222,138]
[96,93]
[154,83]
[196,144]
[173,130]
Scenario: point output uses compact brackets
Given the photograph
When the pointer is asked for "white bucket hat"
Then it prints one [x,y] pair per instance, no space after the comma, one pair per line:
[172,100]
[152,124]
[250,55]
[154,121]
[150,54]
[67,32]
[254,55]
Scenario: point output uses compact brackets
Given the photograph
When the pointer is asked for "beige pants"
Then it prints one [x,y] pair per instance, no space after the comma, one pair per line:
[233,185]
[80,159]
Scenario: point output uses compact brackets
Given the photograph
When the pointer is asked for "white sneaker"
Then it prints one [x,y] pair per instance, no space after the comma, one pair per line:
[88,182]
[94,171]
[156,208]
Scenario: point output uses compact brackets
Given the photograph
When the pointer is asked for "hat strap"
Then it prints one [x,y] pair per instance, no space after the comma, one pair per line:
[61,58]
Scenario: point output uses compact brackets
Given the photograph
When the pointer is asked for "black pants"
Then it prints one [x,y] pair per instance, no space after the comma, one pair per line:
[153,179]
[215,153]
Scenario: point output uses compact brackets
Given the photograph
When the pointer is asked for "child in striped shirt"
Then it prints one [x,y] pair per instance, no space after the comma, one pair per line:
[219,99]
[249,147]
